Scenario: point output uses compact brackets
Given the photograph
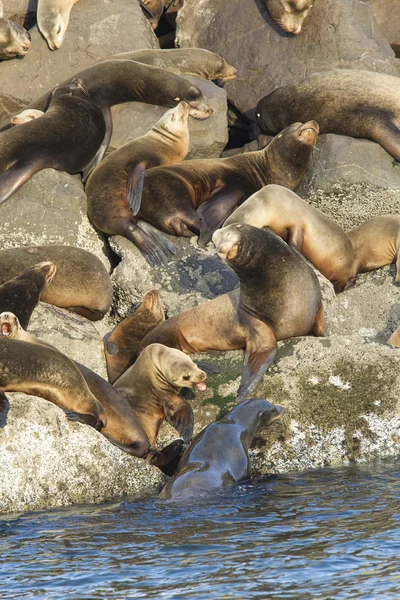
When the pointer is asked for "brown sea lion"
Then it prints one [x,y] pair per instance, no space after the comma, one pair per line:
[289,14]
[279,297]
[152,387]
[53,19]
[65,138]
[114,188]
[344,101]
[304,228]
[20,295]
[121,345]
[45,372]
[81,284]
[395,338]
[219,455]
[376,243]
[15,41]
[196,196]
[183,61]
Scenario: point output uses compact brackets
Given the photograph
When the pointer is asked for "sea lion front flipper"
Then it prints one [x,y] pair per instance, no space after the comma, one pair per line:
[158,237]
[168,458]
[134,186]
[12,179]
[179,414]
[215,211]
[103,148]
[85,419]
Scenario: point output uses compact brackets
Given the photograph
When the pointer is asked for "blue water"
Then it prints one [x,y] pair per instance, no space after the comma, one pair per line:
[330,533]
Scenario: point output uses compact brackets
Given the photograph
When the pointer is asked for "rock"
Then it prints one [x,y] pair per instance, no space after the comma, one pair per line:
[207,138]
[22,12]
[387,13]
[97,29]
[337,33]
[48,461]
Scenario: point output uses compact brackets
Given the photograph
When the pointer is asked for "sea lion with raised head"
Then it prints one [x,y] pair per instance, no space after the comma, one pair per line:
[65,138]
[289,14]
[304,228]
[114,188]
[20,295]
[196,196]
[279,297]
[53,19]
[348,102]
[376,243]
[15,41]
[218,456]
[121,345]
[81,283]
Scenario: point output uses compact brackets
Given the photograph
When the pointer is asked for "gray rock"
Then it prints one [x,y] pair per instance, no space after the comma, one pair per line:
[387,13]
[48,461]
[337,33]
[19,11]
[207,138]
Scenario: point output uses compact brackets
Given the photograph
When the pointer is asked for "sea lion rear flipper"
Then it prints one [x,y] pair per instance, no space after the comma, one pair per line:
[161,240]
[179,414]
[215,211]
[168,458]
[12,179]
[103,148]
[147,245]
[134,186]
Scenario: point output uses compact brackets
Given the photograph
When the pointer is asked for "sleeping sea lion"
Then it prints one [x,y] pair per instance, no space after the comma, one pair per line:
[65,138]
[395,338]
[121,345]
[279,297]
[344,101]
[376,243]
[304,228]
[219,455]
[25,116]
[289,14]
[53,19]
[114,188]
[15,41]
[196,196]
[20,295]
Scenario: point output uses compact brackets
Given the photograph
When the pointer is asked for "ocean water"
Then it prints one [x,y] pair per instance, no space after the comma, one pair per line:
[329,533]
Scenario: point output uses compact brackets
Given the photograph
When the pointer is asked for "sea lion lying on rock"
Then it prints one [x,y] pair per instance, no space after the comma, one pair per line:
[15,41]
[289,14]
[53,20]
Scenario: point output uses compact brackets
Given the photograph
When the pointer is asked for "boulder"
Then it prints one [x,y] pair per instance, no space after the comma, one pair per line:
[387,13]
[22,12]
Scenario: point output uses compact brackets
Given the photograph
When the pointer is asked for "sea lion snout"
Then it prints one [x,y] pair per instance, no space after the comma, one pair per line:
[226,241]
[8,324]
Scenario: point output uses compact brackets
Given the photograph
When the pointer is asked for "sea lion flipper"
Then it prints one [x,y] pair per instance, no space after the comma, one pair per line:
[134,186]
[148,246]
[161,240]
[215,211]
[318,328]
[168,458]
[179,414]
[12,179]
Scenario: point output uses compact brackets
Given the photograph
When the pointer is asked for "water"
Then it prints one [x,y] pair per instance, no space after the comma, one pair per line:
[330,533]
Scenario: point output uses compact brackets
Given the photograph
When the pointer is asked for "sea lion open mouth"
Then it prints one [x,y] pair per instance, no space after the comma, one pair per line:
[200,386]
[5,329]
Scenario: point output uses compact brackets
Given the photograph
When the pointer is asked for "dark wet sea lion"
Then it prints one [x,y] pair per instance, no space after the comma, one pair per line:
[356,103]
[114,188]
[196,196]
[121,345]
[53,19]
[81,283]
[65,138]
[15,41]
[219,455]
[279,297]
[289,14]
[376,243]
[304,228]
[20,295]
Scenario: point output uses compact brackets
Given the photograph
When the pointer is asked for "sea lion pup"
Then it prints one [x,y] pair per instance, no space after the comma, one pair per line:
[376,243]
[395,338]
[114,188]
[25,116]
[304,228]
[183,61]
[344,101]
[53,19]
[65,138]
[279,297]
[152,387]
[218,456]
[47,373]
[196,196]
[15,41]
[121,345]
[81,284]
[289,14]
[21,294]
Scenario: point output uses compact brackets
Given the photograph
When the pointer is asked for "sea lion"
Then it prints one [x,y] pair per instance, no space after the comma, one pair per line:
[395,338]
[289,14]
[304,228]
[15,41]
[183,61]
[20,295]
[81,284]
[121,345]
[53,19]
[65,138]
[25,116]
[219,455]
[152,387]
[196,196]
[45,372]
[279,297]
[344,101]
[114,188]
[153,9]
[376,243]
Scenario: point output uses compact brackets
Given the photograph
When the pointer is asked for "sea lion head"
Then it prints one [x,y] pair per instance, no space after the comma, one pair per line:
[9,325]
[198,106]
[175,120]
[226,71]
[15,41]
[47,269]
[177,368]
[53,26]
[289,14]
[73,88]
[25,116]
[253,415]
[228,241]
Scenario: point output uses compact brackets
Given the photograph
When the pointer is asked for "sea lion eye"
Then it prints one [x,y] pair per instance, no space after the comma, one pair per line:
[58,29]
[186,377]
